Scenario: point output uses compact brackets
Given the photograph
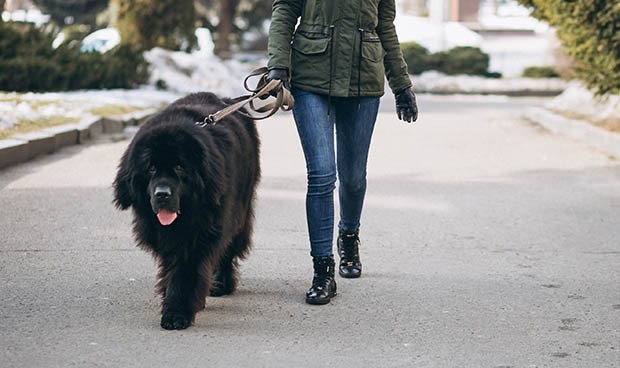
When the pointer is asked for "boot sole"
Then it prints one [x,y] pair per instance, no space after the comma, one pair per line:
[349,275]
[320,301]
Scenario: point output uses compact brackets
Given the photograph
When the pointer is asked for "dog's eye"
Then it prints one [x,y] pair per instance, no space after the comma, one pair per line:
[152,170]
[179,169]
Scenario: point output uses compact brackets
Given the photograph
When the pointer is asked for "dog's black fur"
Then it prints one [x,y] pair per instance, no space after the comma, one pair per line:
[204,180]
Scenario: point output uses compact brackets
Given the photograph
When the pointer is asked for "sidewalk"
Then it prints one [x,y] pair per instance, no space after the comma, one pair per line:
[480,232]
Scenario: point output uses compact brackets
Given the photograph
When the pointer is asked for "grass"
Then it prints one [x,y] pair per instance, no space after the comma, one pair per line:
[612,124]
[28,126]
[112,110]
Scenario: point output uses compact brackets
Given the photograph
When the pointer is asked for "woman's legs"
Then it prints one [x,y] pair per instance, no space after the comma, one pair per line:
[354,119]
[316,132]
[355,122]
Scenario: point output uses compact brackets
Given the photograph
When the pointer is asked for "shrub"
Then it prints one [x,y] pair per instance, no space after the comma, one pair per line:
[460,60]
[588,29]
[540,72]
[29,63]
[457,60]
[416,57]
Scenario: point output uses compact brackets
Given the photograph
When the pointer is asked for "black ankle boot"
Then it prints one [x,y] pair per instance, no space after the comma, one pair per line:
[323,284]
[348,248]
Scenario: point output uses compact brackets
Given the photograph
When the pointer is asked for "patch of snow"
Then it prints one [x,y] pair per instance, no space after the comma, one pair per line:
[16,107]
[193,72]
[435,82]
[511,54]
[577,100]
[509,16]
[435,36]
[204,41]
[58,40]
[28,16]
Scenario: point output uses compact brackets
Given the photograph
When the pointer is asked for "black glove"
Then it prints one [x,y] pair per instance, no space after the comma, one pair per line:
[406,107]
[280,74]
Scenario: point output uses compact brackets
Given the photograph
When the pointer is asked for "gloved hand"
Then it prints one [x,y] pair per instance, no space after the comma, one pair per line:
[280,74]
[406,107]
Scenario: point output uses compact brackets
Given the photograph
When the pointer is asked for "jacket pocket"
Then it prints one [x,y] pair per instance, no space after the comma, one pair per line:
[371,73]
[372,49]
[310,44]
[310,60]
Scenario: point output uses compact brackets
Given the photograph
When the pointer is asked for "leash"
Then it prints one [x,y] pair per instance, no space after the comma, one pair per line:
[284,100]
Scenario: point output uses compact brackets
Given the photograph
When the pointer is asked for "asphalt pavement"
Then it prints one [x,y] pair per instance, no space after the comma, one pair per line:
[486,242]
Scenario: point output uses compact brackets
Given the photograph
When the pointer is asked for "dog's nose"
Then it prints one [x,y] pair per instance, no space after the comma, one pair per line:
[162,192]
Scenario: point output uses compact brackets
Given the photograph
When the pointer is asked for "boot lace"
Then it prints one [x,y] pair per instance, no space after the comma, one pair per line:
[322,274]
[349,246]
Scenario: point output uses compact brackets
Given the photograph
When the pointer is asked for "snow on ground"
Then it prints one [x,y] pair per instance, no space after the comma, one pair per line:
[509,15]
[77,105]
[192,72]
[434,82]
[579,102]
[435,36]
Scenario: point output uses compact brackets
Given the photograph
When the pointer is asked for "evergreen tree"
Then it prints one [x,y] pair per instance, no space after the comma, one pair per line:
[589,30]
[144,24]
[65,12]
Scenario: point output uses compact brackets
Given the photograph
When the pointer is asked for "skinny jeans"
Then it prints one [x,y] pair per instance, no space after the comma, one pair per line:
[335,135]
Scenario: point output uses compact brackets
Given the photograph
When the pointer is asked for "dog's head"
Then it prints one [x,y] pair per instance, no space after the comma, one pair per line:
[167,171]
[166,184]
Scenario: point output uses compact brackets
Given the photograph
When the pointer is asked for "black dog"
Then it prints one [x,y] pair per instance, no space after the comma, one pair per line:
[192,190]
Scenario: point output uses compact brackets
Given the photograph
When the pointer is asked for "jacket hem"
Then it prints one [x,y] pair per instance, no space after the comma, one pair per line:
[323,91]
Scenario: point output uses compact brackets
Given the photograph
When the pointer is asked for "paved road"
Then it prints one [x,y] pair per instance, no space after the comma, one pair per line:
[487,242]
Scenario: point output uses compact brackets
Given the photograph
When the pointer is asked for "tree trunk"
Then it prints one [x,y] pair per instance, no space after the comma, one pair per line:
[228,9]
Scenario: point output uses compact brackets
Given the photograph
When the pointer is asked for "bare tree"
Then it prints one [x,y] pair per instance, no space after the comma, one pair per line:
[228,9]
[229,19]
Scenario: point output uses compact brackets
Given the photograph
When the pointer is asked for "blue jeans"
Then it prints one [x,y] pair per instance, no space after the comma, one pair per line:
[354,119]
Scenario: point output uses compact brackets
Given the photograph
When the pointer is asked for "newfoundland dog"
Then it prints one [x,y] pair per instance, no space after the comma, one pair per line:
[192,190]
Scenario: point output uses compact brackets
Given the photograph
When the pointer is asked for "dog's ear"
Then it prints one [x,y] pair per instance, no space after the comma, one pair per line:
[123,194]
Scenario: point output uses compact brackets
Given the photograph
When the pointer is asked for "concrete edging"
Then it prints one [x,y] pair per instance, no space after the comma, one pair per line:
[578,130]
[24,147]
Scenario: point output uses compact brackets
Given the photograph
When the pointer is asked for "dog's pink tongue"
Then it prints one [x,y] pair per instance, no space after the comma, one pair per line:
[166,217]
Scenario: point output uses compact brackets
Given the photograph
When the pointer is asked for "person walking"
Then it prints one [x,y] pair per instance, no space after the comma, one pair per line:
[334,56]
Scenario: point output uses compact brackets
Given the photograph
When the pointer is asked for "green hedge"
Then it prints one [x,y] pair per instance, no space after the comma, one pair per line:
[540,72]
[590,33]
[458,60]
[416,57]
[29,63]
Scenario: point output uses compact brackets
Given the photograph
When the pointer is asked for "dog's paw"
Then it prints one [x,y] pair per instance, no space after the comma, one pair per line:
[221,285]
[175,321]
[219,289]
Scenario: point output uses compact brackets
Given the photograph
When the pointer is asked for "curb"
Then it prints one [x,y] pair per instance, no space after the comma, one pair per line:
[24,147]
[578,130]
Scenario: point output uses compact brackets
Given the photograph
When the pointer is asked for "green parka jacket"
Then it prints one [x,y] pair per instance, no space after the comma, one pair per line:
[340,48]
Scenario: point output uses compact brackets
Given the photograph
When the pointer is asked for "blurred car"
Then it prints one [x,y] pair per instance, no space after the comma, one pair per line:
[101,41]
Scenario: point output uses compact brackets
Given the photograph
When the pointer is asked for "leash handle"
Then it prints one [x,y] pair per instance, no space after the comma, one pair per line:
[284,100]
